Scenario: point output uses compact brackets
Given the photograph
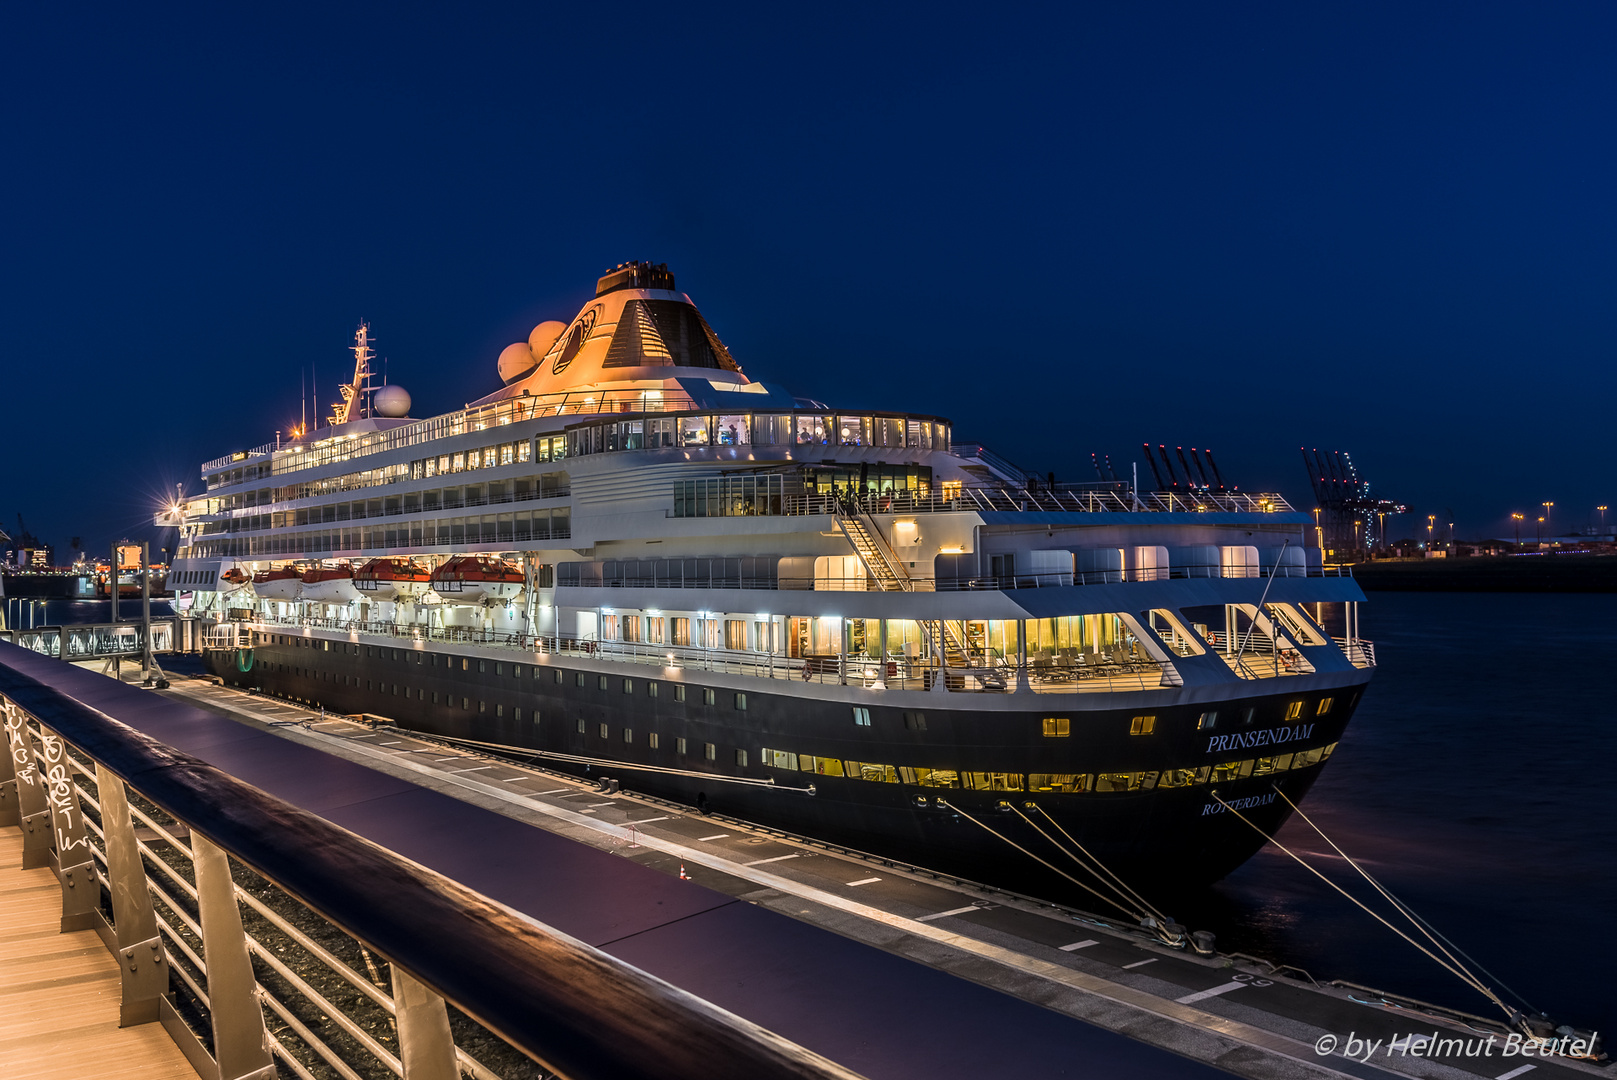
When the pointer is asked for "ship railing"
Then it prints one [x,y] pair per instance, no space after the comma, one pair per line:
[268,941]
[1362,653]
[1022,500]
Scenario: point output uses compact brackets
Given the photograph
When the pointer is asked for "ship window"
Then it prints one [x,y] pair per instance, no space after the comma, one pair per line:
[499,668]
[1246,717]
[579,678]
[651,689]
[741,702]
[1142,725]
[915,721]
[1176,778]
[1207,722]
[679,745]
[465,664]
[482,706]
[1069,783]
[682,631]
[555,671]
[710,697]
[516,712]
[1324,706]
[1294,710]
[628,686]
[1057,727]
[604,731]
[861,716]
[982,781]
[368,650]
[435,697]
[499,710]
[741,758]
[581,727]
[1130,781]
[628,735]
[466,703]
[602,682]
[480,667]
[679,693]
[711,751]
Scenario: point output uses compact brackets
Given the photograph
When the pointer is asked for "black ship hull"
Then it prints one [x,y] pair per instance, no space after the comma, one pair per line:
[951,787]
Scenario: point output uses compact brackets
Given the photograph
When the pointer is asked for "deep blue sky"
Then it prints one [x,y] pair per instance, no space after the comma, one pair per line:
[1387,229]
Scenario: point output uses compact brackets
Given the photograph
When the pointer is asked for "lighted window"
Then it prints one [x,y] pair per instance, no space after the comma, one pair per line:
[1294,710]
[628,686]
[1207,721]
[579,678]
[651,740]
[581,728]
[679,745]
[1142,725]
[679,695]
[651,689]
[710,751]
[516,712]
[602,682]
[516,671]
[741,758]
[628,735]
[710,697]
[861,717]
[604,732]
[1324,706]
[499,710]
[1058,727]
[741,702]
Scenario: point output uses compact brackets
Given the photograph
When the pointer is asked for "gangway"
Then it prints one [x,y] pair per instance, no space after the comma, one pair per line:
[96,641]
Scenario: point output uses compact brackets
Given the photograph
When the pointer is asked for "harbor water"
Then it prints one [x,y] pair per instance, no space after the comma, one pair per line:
[1471,784]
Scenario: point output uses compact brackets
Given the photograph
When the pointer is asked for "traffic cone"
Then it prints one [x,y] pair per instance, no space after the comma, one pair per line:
[683,876]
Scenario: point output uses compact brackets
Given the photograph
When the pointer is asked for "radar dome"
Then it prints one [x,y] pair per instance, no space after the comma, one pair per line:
[544,336]
[516,361]
[391,401]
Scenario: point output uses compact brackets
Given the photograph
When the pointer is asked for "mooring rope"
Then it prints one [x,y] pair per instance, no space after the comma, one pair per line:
[1101,896]
[1431,932]
[1120,882]
[1458,972]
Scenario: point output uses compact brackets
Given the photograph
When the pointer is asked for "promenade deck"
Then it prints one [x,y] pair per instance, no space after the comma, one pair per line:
[59,992]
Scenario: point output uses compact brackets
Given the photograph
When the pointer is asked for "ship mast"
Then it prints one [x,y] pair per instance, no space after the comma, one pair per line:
[359,390]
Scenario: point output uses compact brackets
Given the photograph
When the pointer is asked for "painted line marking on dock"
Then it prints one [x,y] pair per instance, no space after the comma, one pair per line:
[1202,995]
[474,768]
[643,820]
[1075,946]
[1516,1072]
[569,795]
[558,791]
[609,802]
[1139,963]
[864,881]
[946,914]
[451,757]
[715,836]
[777,858]
[392,742]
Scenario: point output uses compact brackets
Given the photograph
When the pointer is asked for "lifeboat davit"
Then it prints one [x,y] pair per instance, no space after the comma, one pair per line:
[392,579]
[334,585]
[477,579]
[283,584]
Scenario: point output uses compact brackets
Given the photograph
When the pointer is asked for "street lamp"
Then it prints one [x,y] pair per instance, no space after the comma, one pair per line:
[1516,520]
[1431,523]
[1539,535]
[1549,514]
[1602,510]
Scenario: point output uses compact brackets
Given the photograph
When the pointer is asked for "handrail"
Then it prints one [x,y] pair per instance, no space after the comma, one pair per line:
[569,1006]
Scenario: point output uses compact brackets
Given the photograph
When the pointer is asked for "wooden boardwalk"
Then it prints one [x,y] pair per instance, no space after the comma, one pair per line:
[59,992]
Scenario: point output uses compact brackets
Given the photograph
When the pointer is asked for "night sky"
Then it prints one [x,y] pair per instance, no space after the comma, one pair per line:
[1383,229]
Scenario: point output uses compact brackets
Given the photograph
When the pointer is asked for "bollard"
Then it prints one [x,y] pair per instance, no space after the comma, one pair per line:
[142,960]
[240,1040]
[426,1045]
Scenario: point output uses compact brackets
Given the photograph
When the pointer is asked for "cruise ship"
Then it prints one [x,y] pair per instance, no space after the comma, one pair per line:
[636,563]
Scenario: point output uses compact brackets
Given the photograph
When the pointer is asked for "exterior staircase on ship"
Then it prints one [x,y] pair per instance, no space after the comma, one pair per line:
[889,574]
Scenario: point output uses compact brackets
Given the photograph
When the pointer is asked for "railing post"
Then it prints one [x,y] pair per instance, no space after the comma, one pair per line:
[33,812]
[426,1045]
[75,865]
[240,1040]
[9,814]
[142,961]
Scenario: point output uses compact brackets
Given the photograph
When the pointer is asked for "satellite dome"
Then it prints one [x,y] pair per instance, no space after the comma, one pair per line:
[544,336]
[516,361]
[391,401]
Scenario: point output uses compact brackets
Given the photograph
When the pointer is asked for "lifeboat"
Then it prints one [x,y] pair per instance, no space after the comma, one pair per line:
[283,584]
[392,579]
[477,579]
[235,577]
[329,585]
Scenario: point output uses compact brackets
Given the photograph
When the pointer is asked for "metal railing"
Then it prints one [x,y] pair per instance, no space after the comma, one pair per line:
[270,942]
